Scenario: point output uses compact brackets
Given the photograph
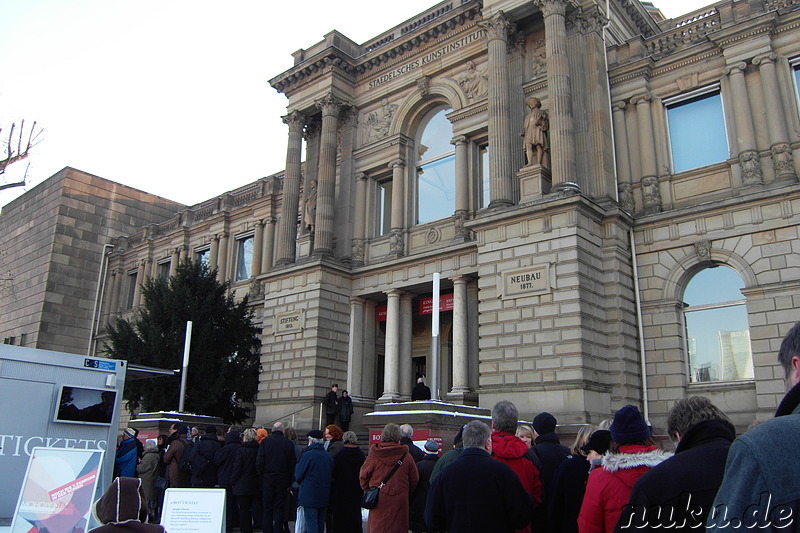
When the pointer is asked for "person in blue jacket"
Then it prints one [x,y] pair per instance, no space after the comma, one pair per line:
[127,455]
[314,474]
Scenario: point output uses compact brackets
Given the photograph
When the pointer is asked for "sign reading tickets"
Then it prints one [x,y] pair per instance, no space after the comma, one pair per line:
[58,491]
[291,322]
[194,511]
[527,281]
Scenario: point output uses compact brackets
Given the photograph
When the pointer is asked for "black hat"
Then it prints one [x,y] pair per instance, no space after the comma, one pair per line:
[315,434]
[211,429]
[459,436]
[629,426]
[598,442]
[544,423]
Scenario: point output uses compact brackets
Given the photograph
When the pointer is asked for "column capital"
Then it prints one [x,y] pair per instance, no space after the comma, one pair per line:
[736,68]
[396,293]
[357,300]
[461,279]
[552,7]
[311,129]
[459,139]
[641,99]
[586,20]
[295,120]
[406,296]
[259,223]
[330,105]
[619,105]
[221,235]
[270,220]
[766,59]
[397,163]
[497,27]
[361,176]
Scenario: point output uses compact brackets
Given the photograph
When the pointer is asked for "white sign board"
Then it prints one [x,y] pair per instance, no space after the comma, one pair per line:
[194,511]
[527,281]
[291,322]
[58,490]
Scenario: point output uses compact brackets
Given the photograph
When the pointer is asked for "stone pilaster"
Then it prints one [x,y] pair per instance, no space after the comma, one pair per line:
[326,187]
[213,253]
[499,121]
[355,349]
[173,261]
[359,226]
[396,246]
[287,228]
[391,371]
[562,142]
[258,245]
[624,186]
[369,367]
[460,336]
[223,257]
[406,374]
[651,191]
[137,291]
[743,119]
[116,288]
[462,189]
[780,150]
[269,244]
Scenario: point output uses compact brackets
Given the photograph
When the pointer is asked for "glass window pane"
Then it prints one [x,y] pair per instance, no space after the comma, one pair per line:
[436,138]
[384,207]
[436,190]
[244,258]
[697,133]
[797,79]
[131,289]
[163,271]
[486,195]
[202,256]
[719,344]
[714,285]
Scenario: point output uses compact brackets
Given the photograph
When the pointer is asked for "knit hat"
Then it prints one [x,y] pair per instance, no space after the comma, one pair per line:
[544,423]
[211,429]
[629,426]
[129,433]
[432,446]
[315,434]
[598,441]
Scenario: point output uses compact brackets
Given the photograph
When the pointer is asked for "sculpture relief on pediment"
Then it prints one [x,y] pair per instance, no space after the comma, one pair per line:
[474,82]
[378,122]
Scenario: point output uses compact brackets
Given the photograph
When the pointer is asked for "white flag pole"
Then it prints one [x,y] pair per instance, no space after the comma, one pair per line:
[435,339]
[185,369]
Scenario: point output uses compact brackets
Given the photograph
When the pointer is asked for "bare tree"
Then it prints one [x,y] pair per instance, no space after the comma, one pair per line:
[16,151]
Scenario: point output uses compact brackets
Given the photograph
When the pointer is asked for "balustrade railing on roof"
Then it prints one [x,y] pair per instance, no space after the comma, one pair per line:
[688,31]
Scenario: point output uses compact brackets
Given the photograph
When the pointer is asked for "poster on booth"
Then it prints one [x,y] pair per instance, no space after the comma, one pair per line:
[58,491]
[194,511]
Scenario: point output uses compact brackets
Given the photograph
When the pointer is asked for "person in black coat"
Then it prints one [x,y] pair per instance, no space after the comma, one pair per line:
[204,470]
[420,392]
[345,410]
[346,490]
[245,482]
[661,497]
[407,433]
[275,464]
[331,405]
[569,484]
[224,461]
[416,520]
[551,454]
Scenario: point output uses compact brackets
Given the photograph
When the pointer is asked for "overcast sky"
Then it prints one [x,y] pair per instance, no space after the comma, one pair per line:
[169,96]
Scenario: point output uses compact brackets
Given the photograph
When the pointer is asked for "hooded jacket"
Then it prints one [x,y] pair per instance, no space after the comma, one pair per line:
[509,449]
[123,508]
[391,514]
[609,487]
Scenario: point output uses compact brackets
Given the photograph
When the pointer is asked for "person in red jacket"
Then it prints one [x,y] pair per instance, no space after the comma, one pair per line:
[631,454]
[511,450]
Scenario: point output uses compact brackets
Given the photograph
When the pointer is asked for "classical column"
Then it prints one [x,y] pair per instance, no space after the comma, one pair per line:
[213,253]
[355,348]
[222,257]
[369,368]
[391,367]
[776,123]
[624,186]
[406,374]
[396,247]
[559,92]
[287,229]
[473,322]
[258,245]
[173,261]
[743,118]
[460,336]
[651,193]
[116,282]
[137,291]
[462,188]
[502,143]
[326,186]
[359,229]
[269,244]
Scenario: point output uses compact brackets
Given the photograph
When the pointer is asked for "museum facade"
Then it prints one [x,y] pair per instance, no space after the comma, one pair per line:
[609,198]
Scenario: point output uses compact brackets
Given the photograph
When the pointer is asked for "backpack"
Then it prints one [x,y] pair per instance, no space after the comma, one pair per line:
[185,464]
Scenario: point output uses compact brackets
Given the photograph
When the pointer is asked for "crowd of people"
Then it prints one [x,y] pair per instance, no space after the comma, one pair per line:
[507,477]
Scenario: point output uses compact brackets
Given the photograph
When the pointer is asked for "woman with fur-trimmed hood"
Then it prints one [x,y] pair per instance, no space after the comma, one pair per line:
[632,453]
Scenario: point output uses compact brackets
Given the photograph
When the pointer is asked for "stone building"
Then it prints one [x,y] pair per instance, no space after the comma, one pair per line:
[642,249]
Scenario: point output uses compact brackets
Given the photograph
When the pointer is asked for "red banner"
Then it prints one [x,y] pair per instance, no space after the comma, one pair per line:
[445,304]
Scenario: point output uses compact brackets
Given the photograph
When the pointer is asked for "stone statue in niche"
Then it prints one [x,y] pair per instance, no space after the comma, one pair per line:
[535,135]
[474,82]
[378,122]
[310,207]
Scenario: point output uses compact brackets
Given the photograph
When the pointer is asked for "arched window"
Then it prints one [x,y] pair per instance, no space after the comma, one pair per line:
[717,332]
[436,169]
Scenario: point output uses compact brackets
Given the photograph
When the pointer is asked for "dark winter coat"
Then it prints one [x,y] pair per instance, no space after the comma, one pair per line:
[568,487]
[276,461]
[477,493]
[413,449]
[204,470]
[244,479]
[314,473]
[123,509]
[346,493]
[609,487]
[659,497]
[551,454]
[224,458]
[331,403]
[126,458]
[420,392]
[334,446]
[444,461]
[172,458]
[416,520]
[147,470]
[391,514]
[345,408]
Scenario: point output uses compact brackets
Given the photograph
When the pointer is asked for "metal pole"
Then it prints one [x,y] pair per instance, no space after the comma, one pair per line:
[185,369]
[435,340]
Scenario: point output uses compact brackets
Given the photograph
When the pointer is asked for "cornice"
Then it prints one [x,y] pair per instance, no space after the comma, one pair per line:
[686,62]
[641,68]
[746,30]
[383,144]
[469,111]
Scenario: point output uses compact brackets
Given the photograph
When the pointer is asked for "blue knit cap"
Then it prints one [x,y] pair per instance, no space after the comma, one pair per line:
[628,426]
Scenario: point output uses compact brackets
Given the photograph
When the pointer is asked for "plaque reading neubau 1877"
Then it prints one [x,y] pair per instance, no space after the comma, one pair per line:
[526,281]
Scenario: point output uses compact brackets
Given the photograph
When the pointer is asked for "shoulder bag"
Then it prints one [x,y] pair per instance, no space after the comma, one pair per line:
[370,498]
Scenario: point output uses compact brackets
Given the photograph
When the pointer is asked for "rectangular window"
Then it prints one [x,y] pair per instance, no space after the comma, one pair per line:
[436,194]
[485,191]
[697,132]
[244,258]
[384,207]
[132,279]
[163,270]
[202,256]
